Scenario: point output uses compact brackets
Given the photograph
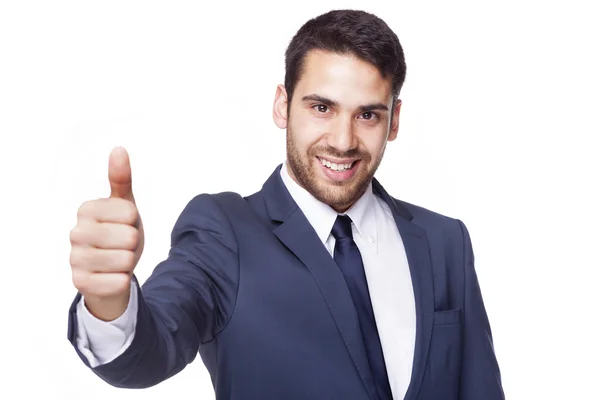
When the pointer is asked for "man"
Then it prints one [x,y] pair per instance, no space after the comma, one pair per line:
[318,286]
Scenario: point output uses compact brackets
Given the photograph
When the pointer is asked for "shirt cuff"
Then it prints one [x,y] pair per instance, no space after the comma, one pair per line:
[103,341]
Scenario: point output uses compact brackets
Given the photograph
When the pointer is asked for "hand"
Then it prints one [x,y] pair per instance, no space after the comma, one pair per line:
[107,243]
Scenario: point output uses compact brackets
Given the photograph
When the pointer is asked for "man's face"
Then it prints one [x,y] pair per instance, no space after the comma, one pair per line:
[337,127]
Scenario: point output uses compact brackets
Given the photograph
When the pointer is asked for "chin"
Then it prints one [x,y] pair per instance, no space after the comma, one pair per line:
[338,194]
[339,190]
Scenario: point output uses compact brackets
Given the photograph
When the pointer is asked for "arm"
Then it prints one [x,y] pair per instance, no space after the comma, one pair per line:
[480,375]
[186,301]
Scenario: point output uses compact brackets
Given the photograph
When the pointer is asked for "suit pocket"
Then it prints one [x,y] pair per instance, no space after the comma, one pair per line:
[448,317]
[443,364]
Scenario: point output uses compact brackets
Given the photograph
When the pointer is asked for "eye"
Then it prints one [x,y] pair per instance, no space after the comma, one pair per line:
[369,115]
[322,108]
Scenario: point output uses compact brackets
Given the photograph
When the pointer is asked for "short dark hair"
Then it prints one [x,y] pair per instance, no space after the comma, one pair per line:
[355,32]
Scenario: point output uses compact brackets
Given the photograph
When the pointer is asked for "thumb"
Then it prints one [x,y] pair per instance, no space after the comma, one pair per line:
[119,174]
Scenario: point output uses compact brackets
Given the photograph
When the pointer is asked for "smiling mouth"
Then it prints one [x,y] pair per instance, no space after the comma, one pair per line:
[341,167]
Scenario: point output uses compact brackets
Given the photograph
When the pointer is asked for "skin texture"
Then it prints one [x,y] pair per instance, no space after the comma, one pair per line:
[328,119]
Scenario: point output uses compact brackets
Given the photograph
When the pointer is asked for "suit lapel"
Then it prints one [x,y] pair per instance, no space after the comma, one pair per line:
[417,249]
[296,233]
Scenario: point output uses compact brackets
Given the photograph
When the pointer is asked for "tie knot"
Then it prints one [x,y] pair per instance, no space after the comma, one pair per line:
[342,227]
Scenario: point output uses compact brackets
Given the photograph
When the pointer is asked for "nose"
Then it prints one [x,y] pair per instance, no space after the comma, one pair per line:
[341,136]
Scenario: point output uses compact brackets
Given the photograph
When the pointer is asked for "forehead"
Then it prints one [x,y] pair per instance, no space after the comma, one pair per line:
[343,78]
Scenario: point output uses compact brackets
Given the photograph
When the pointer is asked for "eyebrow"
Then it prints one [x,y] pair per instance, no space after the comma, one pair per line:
[333,103]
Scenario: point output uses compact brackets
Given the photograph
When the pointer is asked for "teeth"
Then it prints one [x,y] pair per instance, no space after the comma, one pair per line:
[334,166]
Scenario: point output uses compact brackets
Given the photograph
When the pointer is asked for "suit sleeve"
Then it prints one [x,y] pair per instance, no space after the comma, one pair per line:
[186,301]
[480,375]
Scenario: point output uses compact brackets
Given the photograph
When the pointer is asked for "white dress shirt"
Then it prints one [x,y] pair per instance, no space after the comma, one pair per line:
[386,269]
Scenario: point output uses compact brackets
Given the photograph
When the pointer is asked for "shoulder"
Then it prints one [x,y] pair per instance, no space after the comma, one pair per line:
[422,213]
[209,214]
[214,201]
[444,230]
[426,217]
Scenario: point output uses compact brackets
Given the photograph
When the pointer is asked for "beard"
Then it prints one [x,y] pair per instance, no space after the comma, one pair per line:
[340,195]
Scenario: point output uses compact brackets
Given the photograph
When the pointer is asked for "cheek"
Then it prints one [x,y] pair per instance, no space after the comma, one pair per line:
[306,132]
[374,142]
[308,124]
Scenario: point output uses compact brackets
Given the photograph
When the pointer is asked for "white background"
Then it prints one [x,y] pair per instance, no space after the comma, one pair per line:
[499,128]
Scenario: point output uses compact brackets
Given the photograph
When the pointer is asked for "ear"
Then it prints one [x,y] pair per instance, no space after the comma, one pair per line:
[280,107]
[395,121]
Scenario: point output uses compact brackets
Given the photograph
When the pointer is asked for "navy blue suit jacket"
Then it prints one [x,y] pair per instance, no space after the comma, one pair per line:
[249,286]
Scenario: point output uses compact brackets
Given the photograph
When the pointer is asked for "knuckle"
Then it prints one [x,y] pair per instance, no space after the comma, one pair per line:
[133,238]
[130,212]
[74,235]
[81,258]
[122,283]
[80,280]
[128,259]
[84,208]
[81,233]
[75,256]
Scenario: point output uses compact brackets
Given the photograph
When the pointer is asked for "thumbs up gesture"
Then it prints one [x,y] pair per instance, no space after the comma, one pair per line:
[107,243]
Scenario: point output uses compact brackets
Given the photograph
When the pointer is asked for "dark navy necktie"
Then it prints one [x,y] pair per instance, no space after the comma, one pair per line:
[347,256]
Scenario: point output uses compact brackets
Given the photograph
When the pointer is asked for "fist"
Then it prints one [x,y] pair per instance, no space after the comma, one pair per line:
[107,242]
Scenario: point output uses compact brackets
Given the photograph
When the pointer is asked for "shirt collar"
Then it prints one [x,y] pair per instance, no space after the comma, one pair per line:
[322,217]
